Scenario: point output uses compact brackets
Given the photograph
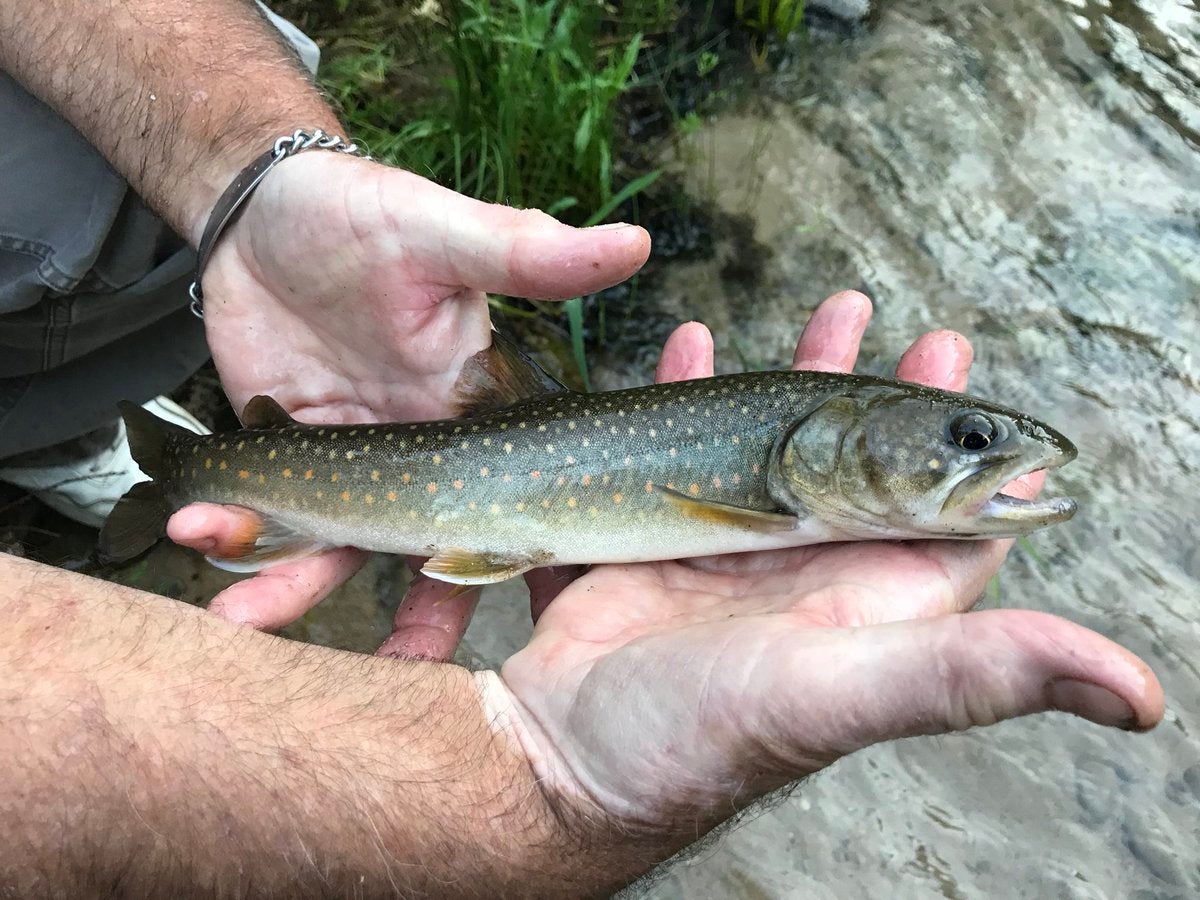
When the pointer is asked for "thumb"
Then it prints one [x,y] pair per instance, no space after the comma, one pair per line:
[518,252]
[959,671]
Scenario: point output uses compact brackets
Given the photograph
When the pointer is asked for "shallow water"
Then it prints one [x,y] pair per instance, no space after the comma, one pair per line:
[1028,174]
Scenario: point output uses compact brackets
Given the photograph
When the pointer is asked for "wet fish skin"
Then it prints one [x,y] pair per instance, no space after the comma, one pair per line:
[726,464]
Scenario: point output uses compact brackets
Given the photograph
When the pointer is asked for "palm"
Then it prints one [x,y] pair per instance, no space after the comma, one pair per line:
[371,282]
[710,646]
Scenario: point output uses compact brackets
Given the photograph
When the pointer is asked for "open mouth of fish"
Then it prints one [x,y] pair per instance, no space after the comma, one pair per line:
[978,499]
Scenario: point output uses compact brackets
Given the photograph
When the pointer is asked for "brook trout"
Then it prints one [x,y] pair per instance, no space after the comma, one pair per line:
[535,474]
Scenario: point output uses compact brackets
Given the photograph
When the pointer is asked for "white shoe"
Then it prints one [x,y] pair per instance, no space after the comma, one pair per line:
[83,479]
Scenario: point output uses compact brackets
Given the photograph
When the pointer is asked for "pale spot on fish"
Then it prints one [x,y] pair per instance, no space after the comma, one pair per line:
[935,464]
[472,505]
[618,497]
[508,448]
[541,428]
[593,512]
[374,474]
[208,462]
[368,499]
[587,479]
[535,474]
[495,509]
[458,484]
[271,455]
[406,477]
[507,479]
[716,482]
[572,502]
[437,459]
[520,507]
[335,476]
[571,425]
[736,439]
[349,454]
[262,479]
[737,479]
[484,472]
[545,504]
[560,481]
[693,489]
[464,445]
[649,487]
[549,448]
[629,460]
[754,468]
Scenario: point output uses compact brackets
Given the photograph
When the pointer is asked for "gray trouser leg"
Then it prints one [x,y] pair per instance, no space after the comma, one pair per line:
[93,285]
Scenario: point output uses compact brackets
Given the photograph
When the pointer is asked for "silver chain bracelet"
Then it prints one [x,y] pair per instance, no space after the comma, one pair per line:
[231,203]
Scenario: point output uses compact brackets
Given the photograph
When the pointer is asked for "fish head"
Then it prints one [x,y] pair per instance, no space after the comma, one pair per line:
[909,461]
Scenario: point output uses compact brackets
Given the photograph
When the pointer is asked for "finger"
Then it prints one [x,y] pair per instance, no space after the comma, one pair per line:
[278,596]
[938,359]
[212,529]
[431,620]
[830,340]
[687,354]
[953,673]
[547,583]
[498,249]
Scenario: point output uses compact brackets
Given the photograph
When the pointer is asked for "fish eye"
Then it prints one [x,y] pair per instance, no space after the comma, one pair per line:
[973,430]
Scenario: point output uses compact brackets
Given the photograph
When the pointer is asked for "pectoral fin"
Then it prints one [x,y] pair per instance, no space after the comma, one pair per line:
[725,514]
[262,541]
[467,567]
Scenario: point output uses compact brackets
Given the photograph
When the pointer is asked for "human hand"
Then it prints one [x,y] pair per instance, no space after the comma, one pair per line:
[353,292]
[656,699]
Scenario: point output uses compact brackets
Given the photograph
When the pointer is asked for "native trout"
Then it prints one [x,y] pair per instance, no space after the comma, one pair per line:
[535,474]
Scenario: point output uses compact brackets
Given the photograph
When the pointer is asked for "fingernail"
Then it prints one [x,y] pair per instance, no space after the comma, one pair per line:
[1091,701]
[611,226]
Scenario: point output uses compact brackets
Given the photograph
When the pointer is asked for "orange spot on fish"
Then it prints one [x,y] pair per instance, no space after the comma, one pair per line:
[649,487]
[693,489]
[223,466]
[391,495]
[243,474]
[458,484]
[406,478]
[287,473]
[262,479]
[587,479]
[335,476]
[308,474]
[431,487]
[618,497]
[346,496]
[545,504]
[368,499]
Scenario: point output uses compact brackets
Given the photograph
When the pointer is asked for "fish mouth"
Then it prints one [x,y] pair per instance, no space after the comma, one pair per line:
[977,502]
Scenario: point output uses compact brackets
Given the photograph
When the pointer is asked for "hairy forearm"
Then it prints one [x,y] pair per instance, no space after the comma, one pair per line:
[151,748]
[177,96]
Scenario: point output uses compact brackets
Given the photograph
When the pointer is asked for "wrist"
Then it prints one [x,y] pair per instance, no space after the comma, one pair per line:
[598,853]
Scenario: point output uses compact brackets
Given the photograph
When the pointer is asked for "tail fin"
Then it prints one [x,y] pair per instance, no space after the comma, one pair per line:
[139,519]
[137,522]
[148,435]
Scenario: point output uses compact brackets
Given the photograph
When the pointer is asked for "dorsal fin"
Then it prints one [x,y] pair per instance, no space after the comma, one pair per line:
[500,376]
[263,412]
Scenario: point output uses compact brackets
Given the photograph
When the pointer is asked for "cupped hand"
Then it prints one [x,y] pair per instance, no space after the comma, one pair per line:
[353,292]
[662,697]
